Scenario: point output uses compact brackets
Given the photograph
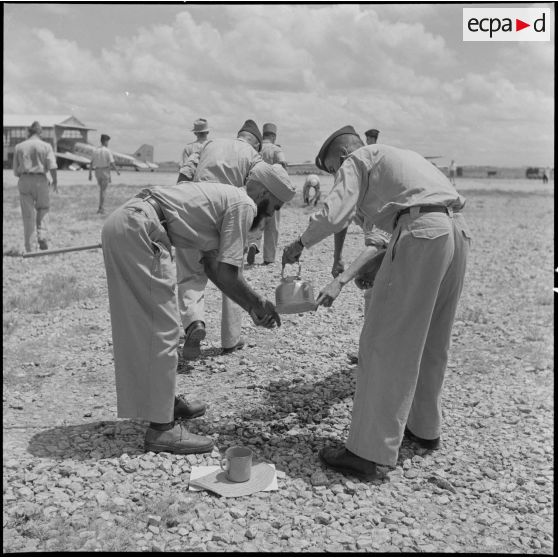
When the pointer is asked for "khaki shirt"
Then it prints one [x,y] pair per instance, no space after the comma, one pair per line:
[272,153]
[102,158]
[227,161]
[33,156]
[209,217]
[191,148]
[373,184]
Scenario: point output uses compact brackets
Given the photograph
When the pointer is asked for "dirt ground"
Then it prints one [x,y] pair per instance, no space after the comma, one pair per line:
[75,476]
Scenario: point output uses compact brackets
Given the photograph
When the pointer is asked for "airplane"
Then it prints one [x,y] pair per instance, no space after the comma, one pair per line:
[430,157]
[79,155]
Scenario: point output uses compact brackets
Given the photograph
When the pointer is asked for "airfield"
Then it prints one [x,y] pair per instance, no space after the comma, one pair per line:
[76,478]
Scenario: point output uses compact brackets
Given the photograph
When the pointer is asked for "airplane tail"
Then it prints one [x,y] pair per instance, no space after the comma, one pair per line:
[144,153]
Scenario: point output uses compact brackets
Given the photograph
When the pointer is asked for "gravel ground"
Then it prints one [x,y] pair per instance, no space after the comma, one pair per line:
[76,478]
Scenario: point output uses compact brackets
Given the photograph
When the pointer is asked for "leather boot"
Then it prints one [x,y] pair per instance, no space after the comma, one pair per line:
[188,409]
[193,336]
[348,463]
[251,257]
[237,347]
[176,440]
[429,444]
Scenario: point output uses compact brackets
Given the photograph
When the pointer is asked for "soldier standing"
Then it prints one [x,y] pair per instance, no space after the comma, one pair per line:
[225,161]
[201,130]
[372,136]
[273,154]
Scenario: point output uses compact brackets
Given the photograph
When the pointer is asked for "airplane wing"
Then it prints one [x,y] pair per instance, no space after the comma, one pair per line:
[74,158]
[140,165]
[123,160]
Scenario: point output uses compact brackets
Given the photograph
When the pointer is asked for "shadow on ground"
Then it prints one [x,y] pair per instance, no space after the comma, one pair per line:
[292,423]
[93,440]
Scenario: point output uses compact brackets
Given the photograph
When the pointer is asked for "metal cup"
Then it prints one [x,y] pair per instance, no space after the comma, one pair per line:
[237,464]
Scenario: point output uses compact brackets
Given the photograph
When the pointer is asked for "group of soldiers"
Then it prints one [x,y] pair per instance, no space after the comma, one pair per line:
[229,192]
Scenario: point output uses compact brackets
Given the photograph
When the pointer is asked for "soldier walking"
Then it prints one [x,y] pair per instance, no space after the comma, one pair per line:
[102,162]
[33,158]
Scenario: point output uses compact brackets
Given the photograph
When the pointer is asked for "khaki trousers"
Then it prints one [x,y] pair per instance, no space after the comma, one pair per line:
[191,284]
[406,335]
[34,199]
[144,317]
[103,180]
[270,233]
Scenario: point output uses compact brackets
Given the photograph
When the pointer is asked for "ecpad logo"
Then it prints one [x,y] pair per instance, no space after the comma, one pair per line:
[506,24]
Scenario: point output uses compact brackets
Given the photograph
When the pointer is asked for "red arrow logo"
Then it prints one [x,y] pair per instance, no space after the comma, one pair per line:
[519,25]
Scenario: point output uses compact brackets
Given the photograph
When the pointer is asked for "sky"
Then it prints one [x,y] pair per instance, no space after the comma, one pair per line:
[144,72]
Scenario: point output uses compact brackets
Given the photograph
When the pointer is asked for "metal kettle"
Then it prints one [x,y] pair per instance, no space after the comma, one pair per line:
[293,295]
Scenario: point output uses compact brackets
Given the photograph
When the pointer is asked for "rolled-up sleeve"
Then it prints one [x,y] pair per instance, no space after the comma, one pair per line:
[373,236]
[340,204]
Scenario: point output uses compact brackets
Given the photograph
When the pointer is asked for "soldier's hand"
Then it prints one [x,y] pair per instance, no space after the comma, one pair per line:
[265,315]
[329,293]
[291,253]
[338,267]
[367,275]
[54,186]
[365,281]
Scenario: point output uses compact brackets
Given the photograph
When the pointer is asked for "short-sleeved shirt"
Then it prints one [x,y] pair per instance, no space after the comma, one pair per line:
[227,161]
[272,153]
[209,217]
[191,148]
[102,158]
[372,185]
[33,156]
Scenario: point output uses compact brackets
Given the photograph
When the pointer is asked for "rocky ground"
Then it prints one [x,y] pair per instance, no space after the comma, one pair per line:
[76,478]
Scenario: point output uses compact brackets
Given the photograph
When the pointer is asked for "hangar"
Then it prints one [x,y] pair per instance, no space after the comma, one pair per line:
[61,131]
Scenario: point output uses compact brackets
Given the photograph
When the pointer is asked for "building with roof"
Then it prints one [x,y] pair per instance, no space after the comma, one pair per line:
[61,131]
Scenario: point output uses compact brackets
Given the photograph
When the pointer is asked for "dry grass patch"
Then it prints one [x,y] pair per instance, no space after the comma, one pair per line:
[54,291]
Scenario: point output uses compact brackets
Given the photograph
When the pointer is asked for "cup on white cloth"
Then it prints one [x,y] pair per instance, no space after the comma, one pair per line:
[237,464]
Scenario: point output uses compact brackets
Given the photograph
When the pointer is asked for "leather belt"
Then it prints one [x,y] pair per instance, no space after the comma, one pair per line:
[147,197]
[422,209]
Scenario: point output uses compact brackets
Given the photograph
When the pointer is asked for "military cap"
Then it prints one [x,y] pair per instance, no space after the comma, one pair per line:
[105,137]
[269,128]
[372,133]
[251,127]
[320,158]
[275,178]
